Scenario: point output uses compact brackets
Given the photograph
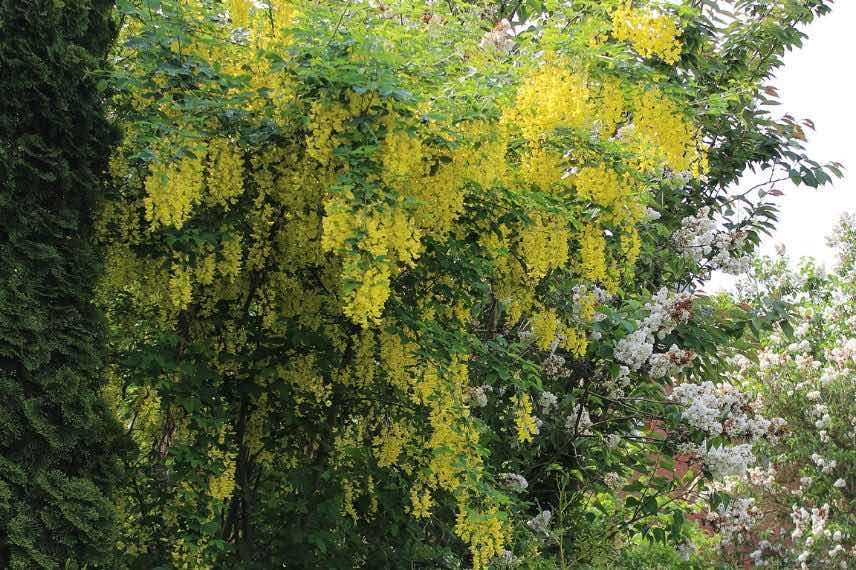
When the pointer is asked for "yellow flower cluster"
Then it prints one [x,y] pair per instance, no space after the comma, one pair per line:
[453,437]
[544,246]
[364,364]
[339,223]
[390,442]
[309,385]
[389,235]
[546,326]
[326,120]
[254,436]
[351,492]
[222,486]
[484,532]
[524,421]
[664,131]
[551,97]
[541,167]
[650,34]
[348,508]
[586,302]
[225,172]
[181,286]
[230,267]
[602,186]
[239,10]
[592,260]
[454,458]
[364,304]
[397,358]
[631,246]
[609,105]
[421,503]
[575,342]
[427,385]
[172,190]
[436,183]
[402,159]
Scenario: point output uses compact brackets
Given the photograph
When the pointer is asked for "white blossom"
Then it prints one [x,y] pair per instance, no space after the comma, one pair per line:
[583,425]
[540,523]
[513,481]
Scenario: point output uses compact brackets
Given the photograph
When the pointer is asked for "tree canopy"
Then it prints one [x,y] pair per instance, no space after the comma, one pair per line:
[415,284]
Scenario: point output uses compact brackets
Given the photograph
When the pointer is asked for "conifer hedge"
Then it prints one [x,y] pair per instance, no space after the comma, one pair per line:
[58,441]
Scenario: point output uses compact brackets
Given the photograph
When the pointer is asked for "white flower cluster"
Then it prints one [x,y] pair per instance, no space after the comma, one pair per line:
[736,519]
[505,560]
[718,409]
[665,312]
[666,363]
[615,386]
[830,375]
[581,427]
[477,395]
[844,352]
[540,523]
[554,366]
[763,477]
[612,480]
[513,482]
[802,518]
[810,530]
[635,349]
[842,238]
[500,38]
[613,440]
[765,547]
[699,239]
[726,461]
[825,465]
[652,215]
[686,550]
[769,360]
[547,401]
[820,414]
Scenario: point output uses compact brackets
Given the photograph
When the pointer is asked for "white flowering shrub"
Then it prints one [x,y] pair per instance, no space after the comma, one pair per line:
[804,372]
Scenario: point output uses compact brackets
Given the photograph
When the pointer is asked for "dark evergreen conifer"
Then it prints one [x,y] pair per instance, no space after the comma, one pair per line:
[58,441]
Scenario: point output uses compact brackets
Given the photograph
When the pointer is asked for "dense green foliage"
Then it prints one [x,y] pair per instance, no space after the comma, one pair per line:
[386,286]
[58,441]
[369,265]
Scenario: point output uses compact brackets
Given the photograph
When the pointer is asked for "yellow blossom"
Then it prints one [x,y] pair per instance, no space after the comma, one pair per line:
[649,34]
[484,533]
[544,246]
[348,508]
[523,418]
[420,503]
[545,325]
[225,172]
[389,443]
[172,191]
[592,260]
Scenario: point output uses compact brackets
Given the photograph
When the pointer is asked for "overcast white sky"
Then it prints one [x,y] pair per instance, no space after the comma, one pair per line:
[818,82]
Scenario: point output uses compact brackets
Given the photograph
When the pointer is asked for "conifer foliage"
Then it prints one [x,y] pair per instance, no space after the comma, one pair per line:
[57,439]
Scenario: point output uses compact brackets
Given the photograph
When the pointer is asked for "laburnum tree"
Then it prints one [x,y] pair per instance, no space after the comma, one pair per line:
[407,285]
[59,443]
